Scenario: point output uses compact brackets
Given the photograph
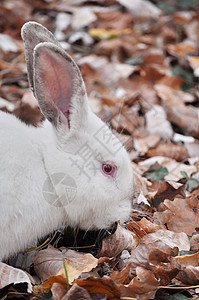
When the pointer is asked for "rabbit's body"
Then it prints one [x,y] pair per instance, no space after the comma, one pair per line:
[58,174]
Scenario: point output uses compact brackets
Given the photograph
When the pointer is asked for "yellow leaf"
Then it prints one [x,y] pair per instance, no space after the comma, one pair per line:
[107,33]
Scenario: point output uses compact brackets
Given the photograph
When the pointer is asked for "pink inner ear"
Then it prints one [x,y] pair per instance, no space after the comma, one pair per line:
[56,74]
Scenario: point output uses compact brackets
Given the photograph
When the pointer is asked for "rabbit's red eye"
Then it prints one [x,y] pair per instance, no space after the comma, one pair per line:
[109,169]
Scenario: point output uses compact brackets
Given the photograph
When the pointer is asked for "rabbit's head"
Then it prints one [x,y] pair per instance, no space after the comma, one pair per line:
[98,170]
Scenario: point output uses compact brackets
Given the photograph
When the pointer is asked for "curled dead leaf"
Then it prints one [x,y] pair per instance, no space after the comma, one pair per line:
[194,242]
[188,266]
[150,227]
[144,282]
[118,241]
[105,285]
[9,275]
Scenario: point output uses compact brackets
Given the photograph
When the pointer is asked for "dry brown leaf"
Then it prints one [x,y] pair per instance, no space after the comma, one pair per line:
[181,49]
[105,285]
[139,256]
[75,265]
[170,238]
[194,242]
[165,276]
[58,291]
[173,98]
[150,227]
[153,55]
[140,185]
[182,215]
[183,16]
[10,275]
[47,285]
[171,82]
[136,228]
[182,261]
[120,240]
[145,143]
[114,19]
[169,35]
[84,262]
[188,266]
[186,117]
[140,85]
[161,190]
[12,17]
[144,282]
[122,276]
[189,275]
[49,262]
[177,152]
[151,251]
[77,292]
[158,257]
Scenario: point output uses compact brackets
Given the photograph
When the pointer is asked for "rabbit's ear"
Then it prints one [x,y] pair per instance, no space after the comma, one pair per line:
[59,87]
[32,34]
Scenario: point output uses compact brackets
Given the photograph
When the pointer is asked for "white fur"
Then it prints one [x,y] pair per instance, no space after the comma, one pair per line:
[30,156]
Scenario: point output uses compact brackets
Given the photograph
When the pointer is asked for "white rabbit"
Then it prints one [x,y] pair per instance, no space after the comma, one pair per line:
[73,170]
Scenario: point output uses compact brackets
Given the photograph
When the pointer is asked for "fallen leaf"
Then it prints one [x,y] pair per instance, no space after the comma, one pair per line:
[175,169]
[161,190]
[141,8]
[122,276]
[149,227]
[49,262]
[77,265]
[156,122]
[188,266]
[194,242]
[114,19]
[189,275]
[77,292]
[152,251]
[118,241]
[173,99]
[102,33]
[144,282]
[165,276]
[144,144]
[185,261]
[182,215]
[177,152]
[170,238]
[9,275]
[181,49]
[105,285]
